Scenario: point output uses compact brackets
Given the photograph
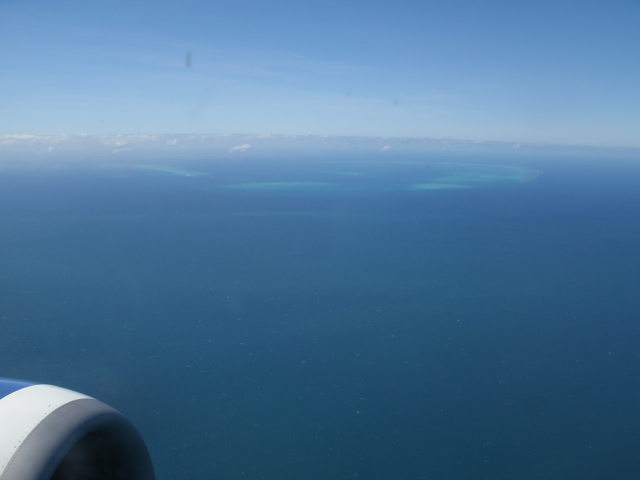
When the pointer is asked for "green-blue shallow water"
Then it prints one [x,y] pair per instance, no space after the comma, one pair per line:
[338,319]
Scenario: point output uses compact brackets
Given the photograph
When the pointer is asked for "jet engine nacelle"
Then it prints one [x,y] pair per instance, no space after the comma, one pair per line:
[51,433]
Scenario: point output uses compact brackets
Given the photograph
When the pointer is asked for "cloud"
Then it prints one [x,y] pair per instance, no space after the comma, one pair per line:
[386,147]
[240,148]
[123,140]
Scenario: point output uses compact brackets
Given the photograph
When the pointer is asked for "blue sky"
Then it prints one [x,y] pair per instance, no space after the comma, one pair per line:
[559,71]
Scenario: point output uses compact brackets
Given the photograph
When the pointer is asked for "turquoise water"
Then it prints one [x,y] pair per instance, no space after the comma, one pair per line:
[333,318]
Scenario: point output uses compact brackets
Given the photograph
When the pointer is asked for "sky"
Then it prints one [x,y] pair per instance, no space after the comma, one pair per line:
[546,71]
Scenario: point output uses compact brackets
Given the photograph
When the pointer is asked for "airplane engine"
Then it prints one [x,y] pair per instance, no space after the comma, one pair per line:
[51,433]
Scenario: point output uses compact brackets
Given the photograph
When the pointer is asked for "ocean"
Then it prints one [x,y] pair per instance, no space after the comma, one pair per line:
[329,317]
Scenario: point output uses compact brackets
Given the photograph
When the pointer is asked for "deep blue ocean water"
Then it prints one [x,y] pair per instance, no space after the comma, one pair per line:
[320,319]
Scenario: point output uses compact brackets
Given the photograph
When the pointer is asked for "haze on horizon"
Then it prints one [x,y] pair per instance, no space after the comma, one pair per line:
[555,72]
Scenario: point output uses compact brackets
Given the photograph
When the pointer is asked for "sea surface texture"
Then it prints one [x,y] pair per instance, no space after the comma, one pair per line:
[329,317]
